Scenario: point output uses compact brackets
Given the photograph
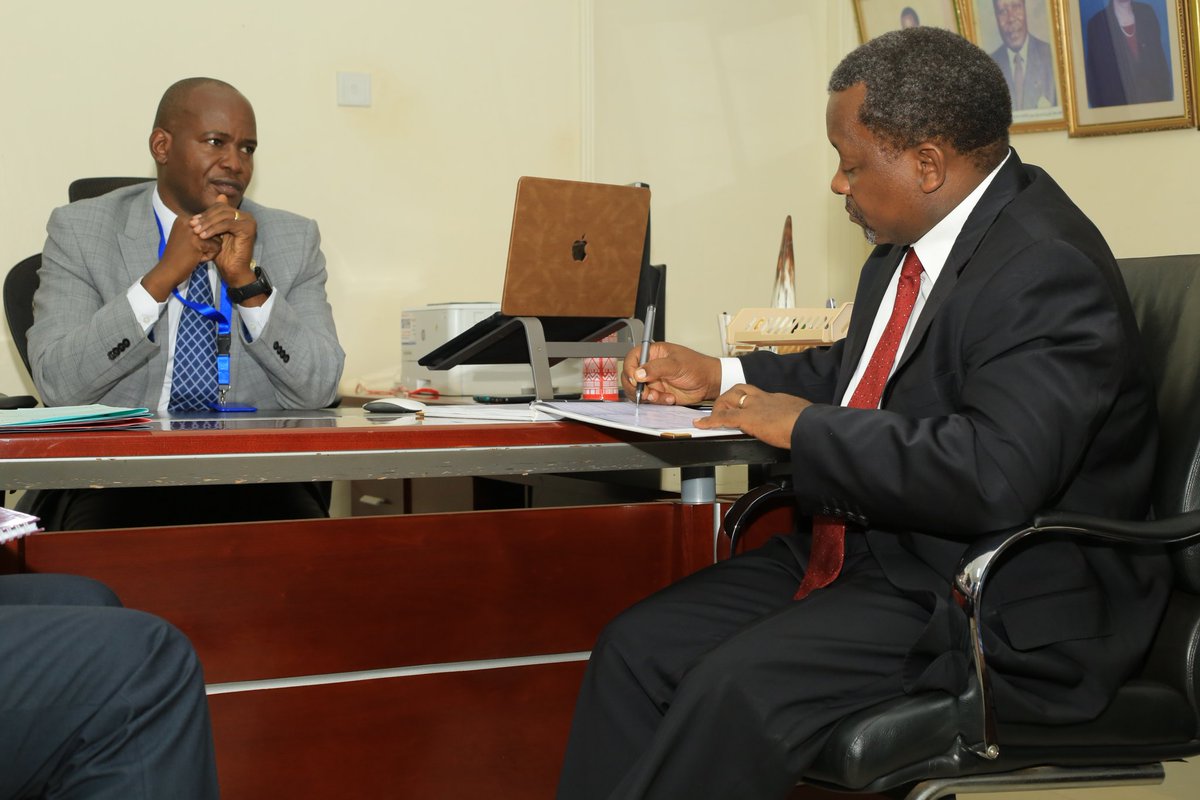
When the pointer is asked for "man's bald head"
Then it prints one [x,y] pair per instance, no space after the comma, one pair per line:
[175,99]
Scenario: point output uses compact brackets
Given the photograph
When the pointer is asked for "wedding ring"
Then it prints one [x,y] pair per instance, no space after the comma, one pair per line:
[236,215]
[742,401]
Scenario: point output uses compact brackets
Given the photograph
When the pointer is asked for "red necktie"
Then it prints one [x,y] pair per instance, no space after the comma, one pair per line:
[829,533]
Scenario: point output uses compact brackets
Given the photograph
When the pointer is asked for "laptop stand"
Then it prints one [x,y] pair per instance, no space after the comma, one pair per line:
[547,341]
[541,351]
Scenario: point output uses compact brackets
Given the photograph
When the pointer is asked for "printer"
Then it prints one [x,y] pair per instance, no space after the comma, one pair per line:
[422,329]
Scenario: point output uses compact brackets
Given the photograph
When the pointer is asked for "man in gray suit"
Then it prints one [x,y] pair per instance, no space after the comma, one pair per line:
[112,323]
[1026,61]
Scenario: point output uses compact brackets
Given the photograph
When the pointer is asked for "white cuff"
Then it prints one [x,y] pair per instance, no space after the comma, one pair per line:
[146,310]
[254,319]
[732,373]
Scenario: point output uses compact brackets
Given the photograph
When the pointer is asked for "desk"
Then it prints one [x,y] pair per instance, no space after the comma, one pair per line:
[423,656]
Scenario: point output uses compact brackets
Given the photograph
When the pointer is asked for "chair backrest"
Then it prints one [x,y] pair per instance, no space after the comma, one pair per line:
[94,187]
[22,280]
[19,285]
[1165,291]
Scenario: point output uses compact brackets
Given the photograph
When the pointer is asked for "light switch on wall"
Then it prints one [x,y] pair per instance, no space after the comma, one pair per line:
[354,88]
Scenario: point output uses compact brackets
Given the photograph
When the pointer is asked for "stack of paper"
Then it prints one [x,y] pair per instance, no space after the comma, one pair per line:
[507,412]
[72,418]
[671,422]
[15,524]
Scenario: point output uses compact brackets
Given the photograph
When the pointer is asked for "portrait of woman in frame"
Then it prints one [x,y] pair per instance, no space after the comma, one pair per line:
[1127,65]
[880,16]
[1021,37]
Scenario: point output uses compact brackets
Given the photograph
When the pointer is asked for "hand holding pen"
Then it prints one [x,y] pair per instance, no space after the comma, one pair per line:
[671,374]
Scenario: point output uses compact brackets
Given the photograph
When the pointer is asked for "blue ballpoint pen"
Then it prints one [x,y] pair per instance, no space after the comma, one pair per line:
[649,327]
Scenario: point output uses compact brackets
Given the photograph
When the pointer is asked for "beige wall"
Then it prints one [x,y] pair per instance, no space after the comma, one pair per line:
[720,108]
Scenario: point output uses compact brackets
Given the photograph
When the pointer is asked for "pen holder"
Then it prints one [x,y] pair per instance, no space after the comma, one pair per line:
[787,330]
[600,376]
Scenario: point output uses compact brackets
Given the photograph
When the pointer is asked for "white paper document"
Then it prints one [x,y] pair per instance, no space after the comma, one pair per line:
[654,420]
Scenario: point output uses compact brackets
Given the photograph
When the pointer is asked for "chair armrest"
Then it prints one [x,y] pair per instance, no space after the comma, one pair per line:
[754,502]
[984,553]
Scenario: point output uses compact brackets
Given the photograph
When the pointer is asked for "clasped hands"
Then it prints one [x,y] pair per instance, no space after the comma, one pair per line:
[222,234]
[677,375]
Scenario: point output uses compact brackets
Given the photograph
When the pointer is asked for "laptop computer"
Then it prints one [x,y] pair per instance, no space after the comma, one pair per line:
[575,258]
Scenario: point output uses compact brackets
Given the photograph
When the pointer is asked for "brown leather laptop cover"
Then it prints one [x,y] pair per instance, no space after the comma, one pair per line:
[576,249]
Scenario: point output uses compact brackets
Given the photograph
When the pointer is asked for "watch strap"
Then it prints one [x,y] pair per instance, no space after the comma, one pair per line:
[260,285]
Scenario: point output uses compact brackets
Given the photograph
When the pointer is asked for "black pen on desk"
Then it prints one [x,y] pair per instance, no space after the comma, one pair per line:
[649,328]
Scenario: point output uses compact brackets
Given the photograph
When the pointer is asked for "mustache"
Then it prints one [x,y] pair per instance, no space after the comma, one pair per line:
[853,211]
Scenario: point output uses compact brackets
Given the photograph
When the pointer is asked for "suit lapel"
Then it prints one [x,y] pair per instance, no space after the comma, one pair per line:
[139,244]
[1004,187]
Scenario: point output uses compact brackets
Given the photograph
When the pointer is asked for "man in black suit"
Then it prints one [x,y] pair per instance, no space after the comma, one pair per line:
[97,701]
[994,374]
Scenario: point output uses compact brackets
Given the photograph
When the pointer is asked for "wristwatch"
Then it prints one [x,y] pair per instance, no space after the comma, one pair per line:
[261,285]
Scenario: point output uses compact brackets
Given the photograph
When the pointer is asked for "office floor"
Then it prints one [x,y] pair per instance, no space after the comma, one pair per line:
[1182,783]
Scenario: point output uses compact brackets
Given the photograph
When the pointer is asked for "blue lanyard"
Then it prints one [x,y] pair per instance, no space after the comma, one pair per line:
[222,318]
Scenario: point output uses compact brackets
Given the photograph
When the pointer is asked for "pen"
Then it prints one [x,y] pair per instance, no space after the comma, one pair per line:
[649,327]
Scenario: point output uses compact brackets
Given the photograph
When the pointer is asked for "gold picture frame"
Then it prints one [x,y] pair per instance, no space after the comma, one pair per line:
[1194,26]
[1106,92]
[1032,26]
[880,16]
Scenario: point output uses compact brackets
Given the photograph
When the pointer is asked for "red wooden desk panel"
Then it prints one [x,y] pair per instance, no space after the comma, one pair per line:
[322,596]
[487,734]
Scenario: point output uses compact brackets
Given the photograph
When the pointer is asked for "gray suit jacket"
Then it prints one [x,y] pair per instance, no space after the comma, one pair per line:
[1039,75]
[86,346]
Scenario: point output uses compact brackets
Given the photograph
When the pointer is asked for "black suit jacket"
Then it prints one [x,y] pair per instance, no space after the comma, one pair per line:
[1020,389]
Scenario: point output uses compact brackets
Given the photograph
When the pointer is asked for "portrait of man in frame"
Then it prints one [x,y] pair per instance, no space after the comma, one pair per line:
[1021,38]
[880,16]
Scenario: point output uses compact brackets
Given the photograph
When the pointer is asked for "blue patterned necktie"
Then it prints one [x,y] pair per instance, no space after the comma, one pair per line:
[194,374]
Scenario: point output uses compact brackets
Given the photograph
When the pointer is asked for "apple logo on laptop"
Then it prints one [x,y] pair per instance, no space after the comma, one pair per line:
[579,248]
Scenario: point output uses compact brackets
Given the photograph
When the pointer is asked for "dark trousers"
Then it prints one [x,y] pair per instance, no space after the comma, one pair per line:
[140,507]
[97,701]
[722,686]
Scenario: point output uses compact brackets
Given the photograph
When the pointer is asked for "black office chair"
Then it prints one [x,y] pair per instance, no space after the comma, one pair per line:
[22,280]
[94,187]
[933,745]
[19,285]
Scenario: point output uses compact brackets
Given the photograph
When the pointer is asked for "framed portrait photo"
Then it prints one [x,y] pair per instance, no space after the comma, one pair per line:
[880,16]
[1126,65]
[1022,38]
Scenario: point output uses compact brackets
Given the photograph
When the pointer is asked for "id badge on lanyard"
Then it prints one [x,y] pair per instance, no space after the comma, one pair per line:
[223,318]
